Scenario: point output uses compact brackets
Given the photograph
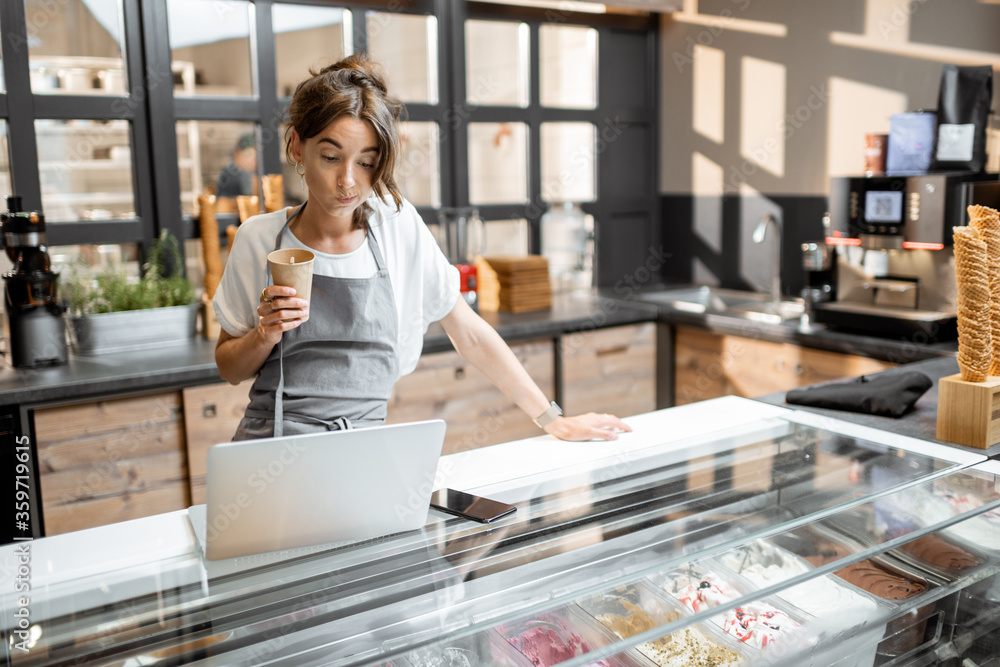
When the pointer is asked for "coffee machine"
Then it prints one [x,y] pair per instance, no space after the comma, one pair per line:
[34,313]
[893,236]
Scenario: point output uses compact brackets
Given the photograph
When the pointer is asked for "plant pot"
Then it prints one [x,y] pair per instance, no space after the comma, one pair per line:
[133,329]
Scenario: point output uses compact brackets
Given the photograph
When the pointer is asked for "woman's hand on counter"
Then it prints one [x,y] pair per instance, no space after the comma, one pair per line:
[590,426]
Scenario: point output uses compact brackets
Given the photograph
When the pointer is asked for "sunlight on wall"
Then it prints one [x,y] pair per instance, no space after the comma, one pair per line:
[762,112]
[856,109]
[709,99]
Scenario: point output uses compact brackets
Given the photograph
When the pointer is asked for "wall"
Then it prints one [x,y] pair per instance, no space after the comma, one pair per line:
[763,101]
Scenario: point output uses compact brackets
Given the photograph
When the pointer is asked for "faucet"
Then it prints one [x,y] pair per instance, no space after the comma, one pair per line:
[759,234]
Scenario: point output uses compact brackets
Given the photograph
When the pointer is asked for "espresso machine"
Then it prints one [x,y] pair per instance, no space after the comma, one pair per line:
[893,235]
[34,313]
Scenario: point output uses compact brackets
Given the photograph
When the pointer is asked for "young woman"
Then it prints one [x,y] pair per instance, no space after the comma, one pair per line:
[379,281]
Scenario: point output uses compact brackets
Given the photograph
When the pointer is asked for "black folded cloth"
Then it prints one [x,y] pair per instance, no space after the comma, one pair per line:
[887,395]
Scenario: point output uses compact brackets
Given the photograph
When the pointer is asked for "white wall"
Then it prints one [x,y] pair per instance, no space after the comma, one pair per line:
[778,95]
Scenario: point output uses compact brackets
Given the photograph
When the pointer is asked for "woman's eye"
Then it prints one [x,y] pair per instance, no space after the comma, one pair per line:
[330,158]
[367,165]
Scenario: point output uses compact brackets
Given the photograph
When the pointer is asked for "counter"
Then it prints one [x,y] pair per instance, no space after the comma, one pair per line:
[697,490]
[921,422]
[193,364]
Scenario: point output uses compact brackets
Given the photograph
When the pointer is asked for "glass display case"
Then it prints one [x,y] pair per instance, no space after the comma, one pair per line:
[786,540]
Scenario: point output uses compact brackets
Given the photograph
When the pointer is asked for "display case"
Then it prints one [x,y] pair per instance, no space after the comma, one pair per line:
[778,538]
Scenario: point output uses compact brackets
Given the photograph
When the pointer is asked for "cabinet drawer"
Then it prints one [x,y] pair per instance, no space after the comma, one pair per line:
[478,414]
[610,370]
[211,414]
[709,365]
[110,461]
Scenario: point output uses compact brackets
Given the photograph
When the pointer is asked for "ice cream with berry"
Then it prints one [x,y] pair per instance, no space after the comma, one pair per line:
[758,624]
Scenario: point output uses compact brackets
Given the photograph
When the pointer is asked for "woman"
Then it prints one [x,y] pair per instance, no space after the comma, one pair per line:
[379,281]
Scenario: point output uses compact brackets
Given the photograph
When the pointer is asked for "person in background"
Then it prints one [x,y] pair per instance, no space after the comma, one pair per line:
[379,280]
[237,177]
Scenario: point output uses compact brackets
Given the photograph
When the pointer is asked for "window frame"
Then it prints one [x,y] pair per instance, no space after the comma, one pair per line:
[153,111]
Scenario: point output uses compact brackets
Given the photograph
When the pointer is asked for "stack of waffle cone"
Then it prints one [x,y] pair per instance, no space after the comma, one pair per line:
[987,222]
[975,353]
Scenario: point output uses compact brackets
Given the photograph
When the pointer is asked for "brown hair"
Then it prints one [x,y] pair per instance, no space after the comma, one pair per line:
[355,87]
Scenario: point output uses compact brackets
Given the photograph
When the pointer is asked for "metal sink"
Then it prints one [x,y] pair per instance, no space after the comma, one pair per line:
[752,306]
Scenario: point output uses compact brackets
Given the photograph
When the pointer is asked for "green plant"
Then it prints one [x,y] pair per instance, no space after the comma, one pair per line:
[111,291]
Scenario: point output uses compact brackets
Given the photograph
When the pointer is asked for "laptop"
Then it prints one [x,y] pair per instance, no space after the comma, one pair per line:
[297,491]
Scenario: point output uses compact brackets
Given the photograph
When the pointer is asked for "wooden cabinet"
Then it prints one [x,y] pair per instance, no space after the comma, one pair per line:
[211,414]
[111,461]
[709,365]
[610,370]
[478,414]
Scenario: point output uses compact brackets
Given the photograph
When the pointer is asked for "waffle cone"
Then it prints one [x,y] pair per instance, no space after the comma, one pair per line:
[972,277]
[986,221]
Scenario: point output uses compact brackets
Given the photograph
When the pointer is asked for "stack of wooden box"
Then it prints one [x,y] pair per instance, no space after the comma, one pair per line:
[514,284]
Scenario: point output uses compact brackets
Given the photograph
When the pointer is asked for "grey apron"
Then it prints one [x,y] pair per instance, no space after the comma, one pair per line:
[337,369]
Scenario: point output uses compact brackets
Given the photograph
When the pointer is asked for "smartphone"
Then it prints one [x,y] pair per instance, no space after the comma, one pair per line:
[468,506]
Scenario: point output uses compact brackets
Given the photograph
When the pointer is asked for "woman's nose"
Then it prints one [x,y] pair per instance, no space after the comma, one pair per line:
[347,176]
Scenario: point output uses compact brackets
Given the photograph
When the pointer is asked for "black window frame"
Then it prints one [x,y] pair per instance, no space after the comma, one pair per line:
[154,111]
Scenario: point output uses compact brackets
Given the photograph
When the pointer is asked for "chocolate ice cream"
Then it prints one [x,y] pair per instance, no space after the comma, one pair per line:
[940,552]
[878,581]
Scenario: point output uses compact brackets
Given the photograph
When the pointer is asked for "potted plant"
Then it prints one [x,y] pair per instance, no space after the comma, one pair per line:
[109,312]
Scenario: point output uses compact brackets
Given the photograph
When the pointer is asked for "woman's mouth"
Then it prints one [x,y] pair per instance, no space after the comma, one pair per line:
[344,201]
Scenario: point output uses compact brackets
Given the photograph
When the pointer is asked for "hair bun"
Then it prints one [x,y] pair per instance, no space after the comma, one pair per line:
[359,70]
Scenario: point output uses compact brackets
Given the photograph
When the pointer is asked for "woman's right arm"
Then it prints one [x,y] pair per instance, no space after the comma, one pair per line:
[239,358]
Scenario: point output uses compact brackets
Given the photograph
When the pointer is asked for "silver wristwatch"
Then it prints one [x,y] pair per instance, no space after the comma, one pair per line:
[548,416]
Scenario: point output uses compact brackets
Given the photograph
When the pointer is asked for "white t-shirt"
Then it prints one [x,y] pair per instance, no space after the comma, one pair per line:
[425,285]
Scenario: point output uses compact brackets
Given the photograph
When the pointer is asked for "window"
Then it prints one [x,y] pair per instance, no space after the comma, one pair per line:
[307,38]
[210,47]
[501,111]
[76,47]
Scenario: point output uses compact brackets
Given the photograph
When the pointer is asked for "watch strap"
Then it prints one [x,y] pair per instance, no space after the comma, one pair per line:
[550,415]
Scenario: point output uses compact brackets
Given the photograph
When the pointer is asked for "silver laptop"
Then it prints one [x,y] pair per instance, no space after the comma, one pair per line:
[303,490]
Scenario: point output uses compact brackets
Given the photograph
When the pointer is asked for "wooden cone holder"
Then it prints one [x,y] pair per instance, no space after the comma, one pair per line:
[969,412]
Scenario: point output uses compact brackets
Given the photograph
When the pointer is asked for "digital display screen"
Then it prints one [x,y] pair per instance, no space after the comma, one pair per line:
[884,206]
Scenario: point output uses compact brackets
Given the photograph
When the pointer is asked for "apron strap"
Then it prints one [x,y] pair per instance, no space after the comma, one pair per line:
[340,423]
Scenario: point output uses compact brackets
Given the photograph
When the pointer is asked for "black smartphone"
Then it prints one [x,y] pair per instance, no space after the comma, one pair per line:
[468,506]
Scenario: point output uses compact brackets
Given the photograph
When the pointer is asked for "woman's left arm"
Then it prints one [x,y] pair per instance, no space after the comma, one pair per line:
[482,346]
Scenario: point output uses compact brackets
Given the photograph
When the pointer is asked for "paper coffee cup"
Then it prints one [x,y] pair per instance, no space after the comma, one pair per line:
[293,267]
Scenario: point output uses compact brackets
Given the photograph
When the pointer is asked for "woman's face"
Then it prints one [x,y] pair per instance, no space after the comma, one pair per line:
[340,162]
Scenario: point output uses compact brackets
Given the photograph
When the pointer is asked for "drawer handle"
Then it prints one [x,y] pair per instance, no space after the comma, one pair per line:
[209,410]
[617,349]
[459,373]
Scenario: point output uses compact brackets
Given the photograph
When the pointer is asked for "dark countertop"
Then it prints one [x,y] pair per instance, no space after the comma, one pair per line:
[90,377]
[921,422]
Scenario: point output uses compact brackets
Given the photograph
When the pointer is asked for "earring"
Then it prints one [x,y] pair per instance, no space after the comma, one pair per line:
[302,174]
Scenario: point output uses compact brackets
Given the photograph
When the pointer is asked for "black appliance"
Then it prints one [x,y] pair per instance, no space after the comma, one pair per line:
[34,313]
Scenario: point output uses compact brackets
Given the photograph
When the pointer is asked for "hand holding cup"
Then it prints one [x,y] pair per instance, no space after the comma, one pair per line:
[293,267]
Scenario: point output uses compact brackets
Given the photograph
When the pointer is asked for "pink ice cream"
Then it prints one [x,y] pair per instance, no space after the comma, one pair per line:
[546,640]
